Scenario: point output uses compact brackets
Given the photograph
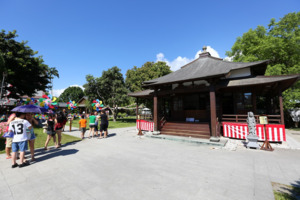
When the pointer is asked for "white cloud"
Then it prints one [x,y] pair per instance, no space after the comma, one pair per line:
[209,49]
[58,92]
[176,63]
[230,59]
[181,61]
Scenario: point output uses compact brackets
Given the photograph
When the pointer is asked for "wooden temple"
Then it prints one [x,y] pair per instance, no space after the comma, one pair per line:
[196,99]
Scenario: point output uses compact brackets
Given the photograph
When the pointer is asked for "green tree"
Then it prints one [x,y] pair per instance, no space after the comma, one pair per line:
[109,88]
[150,70]
[71,94]
[52,72]
[279,43]
[24,70]
[136,76]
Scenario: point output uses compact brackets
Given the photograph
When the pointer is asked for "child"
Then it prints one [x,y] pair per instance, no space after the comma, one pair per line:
[50,131]
[19,143]
[82,125]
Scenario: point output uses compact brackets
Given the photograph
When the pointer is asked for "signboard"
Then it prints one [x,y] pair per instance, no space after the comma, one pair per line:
[263,120]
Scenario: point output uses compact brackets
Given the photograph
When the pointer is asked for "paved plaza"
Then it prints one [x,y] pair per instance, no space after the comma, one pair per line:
[125,166]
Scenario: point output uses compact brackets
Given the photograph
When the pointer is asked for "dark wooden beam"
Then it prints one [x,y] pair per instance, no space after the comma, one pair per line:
[182,91]
[281,108]
[213,114]
[254,102]
[137,107]
[155,111]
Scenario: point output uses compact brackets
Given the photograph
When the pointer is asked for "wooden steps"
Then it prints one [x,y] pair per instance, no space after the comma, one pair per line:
[187,129]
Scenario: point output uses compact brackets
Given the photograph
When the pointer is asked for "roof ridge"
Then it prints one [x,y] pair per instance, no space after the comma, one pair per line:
[190,63]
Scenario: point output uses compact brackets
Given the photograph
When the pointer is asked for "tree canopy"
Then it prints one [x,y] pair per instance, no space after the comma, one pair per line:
[109,88]
[279,43]
[71,94]
[150,70]
[24,70]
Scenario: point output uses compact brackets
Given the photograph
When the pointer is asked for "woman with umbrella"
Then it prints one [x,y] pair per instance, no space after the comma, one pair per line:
[29,109]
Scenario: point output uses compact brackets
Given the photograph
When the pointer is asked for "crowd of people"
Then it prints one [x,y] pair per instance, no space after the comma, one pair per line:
[21,129]
[93,125]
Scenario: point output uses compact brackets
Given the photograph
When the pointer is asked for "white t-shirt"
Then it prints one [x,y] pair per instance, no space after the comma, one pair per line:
[19,126]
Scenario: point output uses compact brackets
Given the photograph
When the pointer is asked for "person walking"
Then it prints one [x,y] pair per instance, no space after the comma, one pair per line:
[96,123]
[50,131]
[104,124]
[59,124]
[31,140]
[92,124]
[19,126]
[65,119]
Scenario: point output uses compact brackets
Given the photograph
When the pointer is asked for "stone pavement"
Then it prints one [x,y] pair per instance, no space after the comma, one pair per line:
[125,166]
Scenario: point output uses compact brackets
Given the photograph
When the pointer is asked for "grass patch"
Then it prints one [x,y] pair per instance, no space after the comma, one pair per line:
[120,123]
[283,196]
[41,139]
[285,192]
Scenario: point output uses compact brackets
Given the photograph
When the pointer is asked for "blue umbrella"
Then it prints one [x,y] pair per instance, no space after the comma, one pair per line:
[27,109]
[43,110]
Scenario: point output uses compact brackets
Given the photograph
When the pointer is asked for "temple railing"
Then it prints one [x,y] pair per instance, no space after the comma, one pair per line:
[162,122]
[273,119]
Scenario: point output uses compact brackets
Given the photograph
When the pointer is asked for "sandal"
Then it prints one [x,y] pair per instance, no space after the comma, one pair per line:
[8,157]
[26,162]
[14,165]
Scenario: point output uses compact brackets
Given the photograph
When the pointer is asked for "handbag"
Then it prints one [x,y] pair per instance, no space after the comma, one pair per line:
[8,134]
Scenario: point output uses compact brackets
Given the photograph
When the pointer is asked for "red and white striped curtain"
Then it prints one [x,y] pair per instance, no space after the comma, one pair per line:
[145,125]
[274,132]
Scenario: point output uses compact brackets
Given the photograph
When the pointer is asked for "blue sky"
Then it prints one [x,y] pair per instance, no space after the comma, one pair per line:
[87,37]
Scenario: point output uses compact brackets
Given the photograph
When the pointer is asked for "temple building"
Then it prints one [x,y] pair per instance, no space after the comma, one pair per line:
[196,99]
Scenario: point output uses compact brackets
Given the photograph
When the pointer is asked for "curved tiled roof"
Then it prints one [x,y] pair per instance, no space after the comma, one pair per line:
[201,68]
[261,80]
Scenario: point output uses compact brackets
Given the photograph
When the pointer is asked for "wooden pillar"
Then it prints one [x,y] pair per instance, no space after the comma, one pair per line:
[213,114]
[220,97]
[268,106]
[137,107]
[281,108]
[155,111]
[254,103]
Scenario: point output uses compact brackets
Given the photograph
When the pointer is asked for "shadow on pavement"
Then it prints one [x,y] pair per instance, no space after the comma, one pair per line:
[111,135]
[54,153]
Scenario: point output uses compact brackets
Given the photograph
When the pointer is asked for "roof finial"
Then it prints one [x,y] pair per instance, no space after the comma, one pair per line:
[204,49]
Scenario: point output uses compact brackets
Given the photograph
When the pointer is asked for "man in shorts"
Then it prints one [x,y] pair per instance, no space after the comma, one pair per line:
[19,142]
[104,124]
